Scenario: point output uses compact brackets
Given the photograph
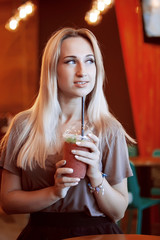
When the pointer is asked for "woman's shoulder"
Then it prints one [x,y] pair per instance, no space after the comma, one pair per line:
[21,118]
[113,127]
[18,123]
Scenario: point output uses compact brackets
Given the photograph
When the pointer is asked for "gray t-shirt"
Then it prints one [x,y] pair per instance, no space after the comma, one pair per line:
[114,162]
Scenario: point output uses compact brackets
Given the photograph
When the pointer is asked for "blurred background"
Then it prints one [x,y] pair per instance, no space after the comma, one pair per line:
[132,65]
[131,60]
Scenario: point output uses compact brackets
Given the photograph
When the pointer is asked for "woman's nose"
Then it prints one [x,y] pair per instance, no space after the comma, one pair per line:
[81,71]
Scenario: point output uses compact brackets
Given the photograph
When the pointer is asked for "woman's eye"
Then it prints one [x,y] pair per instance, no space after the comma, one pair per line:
[91,60]
[72,61]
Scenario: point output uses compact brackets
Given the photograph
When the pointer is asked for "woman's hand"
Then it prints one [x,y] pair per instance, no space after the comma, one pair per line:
[91,158]
[63,183]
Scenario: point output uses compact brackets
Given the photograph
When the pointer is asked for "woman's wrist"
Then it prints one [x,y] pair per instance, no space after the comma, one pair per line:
[96,179]
[55,194]
[99,187]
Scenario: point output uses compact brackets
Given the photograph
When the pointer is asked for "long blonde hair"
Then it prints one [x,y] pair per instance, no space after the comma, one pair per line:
[37,128]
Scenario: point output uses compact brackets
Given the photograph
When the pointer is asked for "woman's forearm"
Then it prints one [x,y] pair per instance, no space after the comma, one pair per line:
[18,201]
[114,201]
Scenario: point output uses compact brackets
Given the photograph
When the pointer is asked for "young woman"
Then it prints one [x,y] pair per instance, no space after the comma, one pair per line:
[33,179]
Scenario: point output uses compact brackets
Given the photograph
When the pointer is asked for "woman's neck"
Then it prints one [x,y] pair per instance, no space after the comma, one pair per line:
[71,110]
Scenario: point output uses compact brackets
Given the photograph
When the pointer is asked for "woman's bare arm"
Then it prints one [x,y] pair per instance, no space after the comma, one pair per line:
[15,200]
[115,199]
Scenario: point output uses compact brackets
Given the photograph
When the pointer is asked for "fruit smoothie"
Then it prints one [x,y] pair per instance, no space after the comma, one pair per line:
[79,168]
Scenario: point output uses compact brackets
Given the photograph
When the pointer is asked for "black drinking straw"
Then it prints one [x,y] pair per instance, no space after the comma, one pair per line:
[82,118]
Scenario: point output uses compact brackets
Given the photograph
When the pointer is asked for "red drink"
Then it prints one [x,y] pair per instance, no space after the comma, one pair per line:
[79,168]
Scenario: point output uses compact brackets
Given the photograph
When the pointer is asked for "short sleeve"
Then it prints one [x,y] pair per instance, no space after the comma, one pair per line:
[116,159]
[6,159]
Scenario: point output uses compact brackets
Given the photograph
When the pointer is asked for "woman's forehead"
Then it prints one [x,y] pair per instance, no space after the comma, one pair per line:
[76,45]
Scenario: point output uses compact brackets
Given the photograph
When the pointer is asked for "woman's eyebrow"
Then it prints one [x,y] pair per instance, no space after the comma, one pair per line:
[73,56]
[90,55]
[70,56]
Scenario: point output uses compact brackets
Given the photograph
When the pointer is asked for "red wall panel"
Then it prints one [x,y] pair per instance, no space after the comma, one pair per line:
[142,65]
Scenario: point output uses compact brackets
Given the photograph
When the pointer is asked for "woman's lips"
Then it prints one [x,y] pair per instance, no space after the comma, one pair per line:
[80,83]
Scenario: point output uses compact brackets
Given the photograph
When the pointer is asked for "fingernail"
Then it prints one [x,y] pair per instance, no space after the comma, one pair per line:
[77,179]
[73,151]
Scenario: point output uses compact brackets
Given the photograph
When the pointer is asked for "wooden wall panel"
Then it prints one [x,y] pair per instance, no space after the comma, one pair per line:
[18,61]
[142,64]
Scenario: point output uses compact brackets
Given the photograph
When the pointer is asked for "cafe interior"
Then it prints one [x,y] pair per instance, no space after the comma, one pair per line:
[129,37]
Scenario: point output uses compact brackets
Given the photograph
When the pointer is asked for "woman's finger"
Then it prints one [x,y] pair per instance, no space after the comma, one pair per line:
[60,163]
[89,161]
[92,146]
[90,155]
[61,171]
[94,139]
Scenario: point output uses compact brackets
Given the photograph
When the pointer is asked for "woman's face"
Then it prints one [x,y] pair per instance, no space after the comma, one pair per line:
[76,68]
